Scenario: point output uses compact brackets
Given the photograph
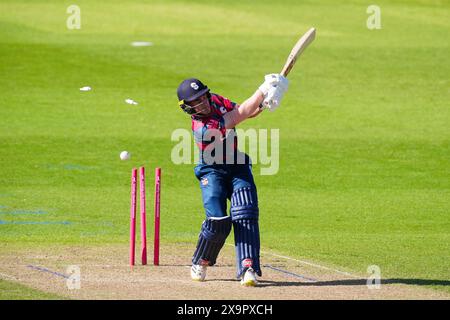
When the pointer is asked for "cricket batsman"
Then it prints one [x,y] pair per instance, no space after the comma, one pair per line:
[221,176]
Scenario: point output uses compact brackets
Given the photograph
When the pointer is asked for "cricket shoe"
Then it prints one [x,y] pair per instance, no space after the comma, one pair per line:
[249,278]
[198,272]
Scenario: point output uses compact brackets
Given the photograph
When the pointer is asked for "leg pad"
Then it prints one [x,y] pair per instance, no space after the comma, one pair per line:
[212,237]
[244,215]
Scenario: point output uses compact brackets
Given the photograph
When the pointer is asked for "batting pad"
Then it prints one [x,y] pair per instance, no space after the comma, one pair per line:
[244,214]
[212,237]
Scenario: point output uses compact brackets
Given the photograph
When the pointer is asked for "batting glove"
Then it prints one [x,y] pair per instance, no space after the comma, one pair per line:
[273,98]
[270,80]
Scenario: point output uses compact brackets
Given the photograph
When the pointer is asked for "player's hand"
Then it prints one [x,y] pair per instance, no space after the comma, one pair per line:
[275,94]
[272,99]
[283,83]
[270,80]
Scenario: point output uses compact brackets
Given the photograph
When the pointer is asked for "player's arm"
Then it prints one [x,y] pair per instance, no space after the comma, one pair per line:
[252,106]
[257,112]
[244,111]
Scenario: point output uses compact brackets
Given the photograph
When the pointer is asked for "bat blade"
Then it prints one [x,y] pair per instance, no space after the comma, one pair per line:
[297,50]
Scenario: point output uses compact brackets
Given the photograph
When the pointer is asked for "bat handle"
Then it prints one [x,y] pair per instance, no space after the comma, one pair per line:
[286,70]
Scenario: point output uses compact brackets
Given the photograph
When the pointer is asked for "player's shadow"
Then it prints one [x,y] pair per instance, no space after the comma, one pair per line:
[353,282]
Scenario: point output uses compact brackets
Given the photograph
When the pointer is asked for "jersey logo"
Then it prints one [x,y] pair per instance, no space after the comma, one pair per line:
[194,86]
[223,110]
[205,181]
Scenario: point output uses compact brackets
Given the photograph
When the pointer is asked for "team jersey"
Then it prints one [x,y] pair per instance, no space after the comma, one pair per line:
[207,129]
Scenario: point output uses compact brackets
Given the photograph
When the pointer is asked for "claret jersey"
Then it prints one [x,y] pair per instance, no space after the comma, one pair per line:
[216,144]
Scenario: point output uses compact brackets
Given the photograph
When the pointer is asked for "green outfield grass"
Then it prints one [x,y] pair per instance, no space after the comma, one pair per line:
[13,291]
[364,173]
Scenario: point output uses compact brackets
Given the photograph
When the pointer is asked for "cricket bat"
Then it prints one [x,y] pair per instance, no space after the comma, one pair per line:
[297,50]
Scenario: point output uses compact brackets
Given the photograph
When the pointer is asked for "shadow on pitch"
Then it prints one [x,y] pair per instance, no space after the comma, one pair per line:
[353,282]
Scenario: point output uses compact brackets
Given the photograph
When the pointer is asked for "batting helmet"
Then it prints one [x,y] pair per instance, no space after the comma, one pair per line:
[189,90]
